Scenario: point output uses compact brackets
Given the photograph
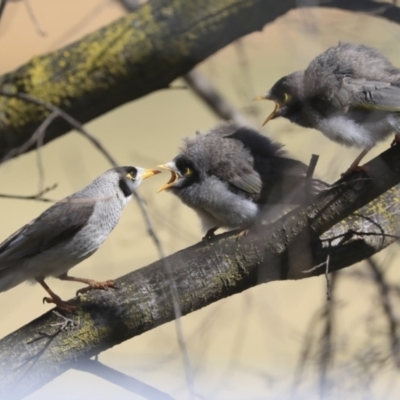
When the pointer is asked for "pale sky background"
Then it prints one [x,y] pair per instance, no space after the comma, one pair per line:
[243,347]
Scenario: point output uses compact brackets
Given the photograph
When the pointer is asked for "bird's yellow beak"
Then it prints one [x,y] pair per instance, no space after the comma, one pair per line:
[274,113]
[173,179]
[150,172]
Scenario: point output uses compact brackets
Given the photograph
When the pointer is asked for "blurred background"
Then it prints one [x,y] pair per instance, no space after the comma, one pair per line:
[249,346]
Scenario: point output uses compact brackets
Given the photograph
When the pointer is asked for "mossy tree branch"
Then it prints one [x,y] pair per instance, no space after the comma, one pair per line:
[136,55]
[207,272]
[141,52]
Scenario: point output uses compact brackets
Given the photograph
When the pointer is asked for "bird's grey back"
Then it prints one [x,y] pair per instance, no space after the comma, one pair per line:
[99,201]
[325,73]
[212,152]
[233,152]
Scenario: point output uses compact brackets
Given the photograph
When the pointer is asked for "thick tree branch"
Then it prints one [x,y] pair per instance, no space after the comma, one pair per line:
[142,52]
[136,55]
[207,272]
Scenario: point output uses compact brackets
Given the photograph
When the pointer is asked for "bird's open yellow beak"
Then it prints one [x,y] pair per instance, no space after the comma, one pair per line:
[173,179]
[150,172]
[274,113]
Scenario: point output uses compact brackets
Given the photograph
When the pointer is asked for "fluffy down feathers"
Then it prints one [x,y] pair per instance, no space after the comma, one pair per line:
[234,173]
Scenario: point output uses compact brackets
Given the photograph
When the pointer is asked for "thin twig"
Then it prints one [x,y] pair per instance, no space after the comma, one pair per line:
[328,282]
[67,117]
[326,351]
[306,350]
[37,196]
[3,4]
[207,92]
[122,380]
[309,176]
[350,233]
[39,132]
[384,291]
[33,18]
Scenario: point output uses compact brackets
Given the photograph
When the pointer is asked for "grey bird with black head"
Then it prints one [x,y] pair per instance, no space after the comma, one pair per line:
[350,93]
[231,173]
[68,232]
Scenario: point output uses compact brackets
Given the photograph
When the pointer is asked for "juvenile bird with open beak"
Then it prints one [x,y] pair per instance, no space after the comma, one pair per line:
[231,173]
[68,232]
[350,93]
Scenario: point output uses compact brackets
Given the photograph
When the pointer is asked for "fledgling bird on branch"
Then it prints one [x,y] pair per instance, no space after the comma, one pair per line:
[68,232]
[231,173]
[350,93]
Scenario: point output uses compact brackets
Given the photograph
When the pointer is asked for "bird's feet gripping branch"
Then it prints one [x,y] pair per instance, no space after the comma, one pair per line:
[92,284]
[396,140]
[55,299]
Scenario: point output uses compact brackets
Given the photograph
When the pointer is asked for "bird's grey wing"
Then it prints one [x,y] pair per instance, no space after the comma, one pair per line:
[367,95]
[284,181]
[57,224]
[245,145]
[377,96]
[245,178]
[237,170]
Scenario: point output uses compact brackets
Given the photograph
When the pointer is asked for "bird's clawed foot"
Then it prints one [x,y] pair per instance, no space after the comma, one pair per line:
[396,140]
[352,169]
[210,234]
[242,233]
[61,304]
[95,285]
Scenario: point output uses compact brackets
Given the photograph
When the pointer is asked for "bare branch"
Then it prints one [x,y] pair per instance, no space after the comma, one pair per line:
[3,4]
[39,133]
[125,381]
[33,18]
[309,176]
[326,341]
[384,292]
[68,118]
[207,92]
[37,196]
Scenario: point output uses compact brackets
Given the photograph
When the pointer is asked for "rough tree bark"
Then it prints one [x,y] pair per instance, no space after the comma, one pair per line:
[136,55]
[207,272]
[140,53]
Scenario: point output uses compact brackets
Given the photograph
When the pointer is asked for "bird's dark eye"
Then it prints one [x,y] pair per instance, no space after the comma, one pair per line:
[187,172]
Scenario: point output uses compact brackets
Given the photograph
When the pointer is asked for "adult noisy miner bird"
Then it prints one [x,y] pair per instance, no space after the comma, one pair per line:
[351,93]
[68,232]
[229,174]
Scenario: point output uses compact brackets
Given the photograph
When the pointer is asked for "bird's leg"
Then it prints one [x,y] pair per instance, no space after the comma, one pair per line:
[61,304]
[210,233]
[354,166]
[242,233]
[396,139]
[90,282]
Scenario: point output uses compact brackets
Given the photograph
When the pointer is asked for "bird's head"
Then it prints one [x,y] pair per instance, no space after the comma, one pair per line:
[129,178]
[183,173]
[288,94]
